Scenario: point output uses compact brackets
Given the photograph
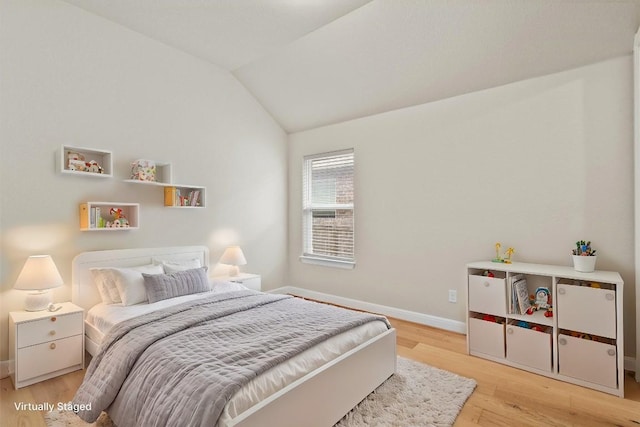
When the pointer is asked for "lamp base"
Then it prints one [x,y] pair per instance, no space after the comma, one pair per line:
[37,301]
[234,270]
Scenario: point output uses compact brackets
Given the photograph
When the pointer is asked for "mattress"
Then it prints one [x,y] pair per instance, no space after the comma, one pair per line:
[102,317]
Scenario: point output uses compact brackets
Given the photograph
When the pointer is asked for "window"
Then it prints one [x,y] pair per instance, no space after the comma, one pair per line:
[328,209]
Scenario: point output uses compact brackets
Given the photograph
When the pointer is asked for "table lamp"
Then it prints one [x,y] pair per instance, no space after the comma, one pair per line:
[234,257]
[39,274]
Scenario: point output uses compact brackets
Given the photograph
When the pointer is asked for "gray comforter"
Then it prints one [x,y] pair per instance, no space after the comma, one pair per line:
[179,366]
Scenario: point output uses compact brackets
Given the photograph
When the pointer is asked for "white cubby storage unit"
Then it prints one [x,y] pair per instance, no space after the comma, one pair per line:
[103,158]
[96,216]
[582,343]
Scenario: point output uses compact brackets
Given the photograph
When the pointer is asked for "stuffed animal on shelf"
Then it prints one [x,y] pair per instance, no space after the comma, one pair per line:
[120,220]
[94,167]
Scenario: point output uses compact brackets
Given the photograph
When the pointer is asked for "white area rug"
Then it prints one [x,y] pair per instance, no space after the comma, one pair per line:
[418,395]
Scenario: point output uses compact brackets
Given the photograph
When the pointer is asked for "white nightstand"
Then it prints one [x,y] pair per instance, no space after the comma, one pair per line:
[251,281]
[44,344]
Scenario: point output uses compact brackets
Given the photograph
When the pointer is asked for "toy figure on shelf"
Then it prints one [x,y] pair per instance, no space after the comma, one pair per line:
[120,221]
[507,255]
[497,258]
[543,298]
[506,258]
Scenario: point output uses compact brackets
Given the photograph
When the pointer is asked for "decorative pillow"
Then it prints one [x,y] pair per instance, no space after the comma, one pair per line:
[102,279]
[173,266]
[130,283]
[164,286]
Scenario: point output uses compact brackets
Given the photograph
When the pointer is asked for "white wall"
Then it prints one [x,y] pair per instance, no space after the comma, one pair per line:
[536,165]
[70,77]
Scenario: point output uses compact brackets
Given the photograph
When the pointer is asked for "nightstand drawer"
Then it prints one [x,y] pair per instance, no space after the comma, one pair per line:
[48,329]
[48,357]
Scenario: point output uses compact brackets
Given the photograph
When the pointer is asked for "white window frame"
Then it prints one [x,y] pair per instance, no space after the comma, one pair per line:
[308,207]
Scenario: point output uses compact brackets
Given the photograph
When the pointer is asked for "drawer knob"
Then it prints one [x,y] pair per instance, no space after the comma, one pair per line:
[509,331]
[52,346]
[610,297]
[562,291]
[611,352]
[52,333]
[562,341]
[487,284]
[54,318]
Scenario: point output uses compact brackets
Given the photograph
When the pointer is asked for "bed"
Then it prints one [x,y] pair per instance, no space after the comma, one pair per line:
[314,388]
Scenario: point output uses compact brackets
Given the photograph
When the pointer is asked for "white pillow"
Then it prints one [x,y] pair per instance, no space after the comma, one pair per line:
[220,286]
[130,283]
[102,279]
[173,266]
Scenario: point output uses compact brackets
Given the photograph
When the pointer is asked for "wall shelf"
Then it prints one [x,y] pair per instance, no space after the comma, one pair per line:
[184,196]
[99,216]
[73,161]
[163,176]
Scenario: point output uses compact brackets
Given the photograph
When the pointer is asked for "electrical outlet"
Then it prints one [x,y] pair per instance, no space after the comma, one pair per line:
[453,295]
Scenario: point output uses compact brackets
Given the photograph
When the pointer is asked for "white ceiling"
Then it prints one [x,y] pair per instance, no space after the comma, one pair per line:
[317,62]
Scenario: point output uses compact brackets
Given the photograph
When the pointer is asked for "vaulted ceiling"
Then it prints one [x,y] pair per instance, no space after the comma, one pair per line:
[317,62]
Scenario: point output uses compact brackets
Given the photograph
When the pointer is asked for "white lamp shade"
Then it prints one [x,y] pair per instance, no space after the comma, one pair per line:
[39,273]
[233,256]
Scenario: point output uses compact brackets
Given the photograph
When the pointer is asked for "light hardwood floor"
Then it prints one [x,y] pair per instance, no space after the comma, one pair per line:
[505,396]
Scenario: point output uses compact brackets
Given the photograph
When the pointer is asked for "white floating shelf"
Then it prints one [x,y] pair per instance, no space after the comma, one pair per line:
[85,162]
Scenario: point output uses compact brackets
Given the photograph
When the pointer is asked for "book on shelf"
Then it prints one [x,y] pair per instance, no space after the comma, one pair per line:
[514,297]
[522,295]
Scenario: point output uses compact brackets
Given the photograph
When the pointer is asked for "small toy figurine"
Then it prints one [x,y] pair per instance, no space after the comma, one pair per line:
[488,273]
[120,221]
[506,258]
[507,255]
[543,298]
[497,258]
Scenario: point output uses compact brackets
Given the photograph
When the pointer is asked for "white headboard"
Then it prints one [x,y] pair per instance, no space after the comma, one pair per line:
[83,291]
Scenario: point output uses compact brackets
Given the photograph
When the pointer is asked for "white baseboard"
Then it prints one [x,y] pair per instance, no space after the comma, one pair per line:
[5,367]
[630,365]
[398,313]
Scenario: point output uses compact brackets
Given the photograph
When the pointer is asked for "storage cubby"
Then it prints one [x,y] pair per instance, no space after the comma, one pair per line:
[163,175]
[486,334]
[82,161]
[529,344]
[180,196]
[109,216]
[579,340]
[488,294]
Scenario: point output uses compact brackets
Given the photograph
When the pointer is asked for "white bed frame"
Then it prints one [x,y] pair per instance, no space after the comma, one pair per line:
[320,398]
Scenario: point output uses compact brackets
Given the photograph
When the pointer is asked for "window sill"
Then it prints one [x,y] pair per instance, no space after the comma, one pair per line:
[347,265]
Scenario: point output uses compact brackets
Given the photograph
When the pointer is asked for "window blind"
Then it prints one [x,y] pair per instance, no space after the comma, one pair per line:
[328,190]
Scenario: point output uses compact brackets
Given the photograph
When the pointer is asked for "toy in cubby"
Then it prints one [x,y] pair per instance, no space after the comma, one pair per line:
[491,318]
[541,300]
[527,325]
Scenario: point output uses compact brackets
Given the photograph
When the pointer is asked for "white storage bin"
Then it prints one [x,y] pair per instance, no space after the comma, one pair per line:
[529,347]
[488,295]
[587,360]
[588,310]
[486,337]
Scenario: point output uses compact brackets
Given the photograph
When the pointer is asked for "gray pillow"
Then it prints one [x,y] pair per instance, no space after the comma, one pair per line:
[165,286]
